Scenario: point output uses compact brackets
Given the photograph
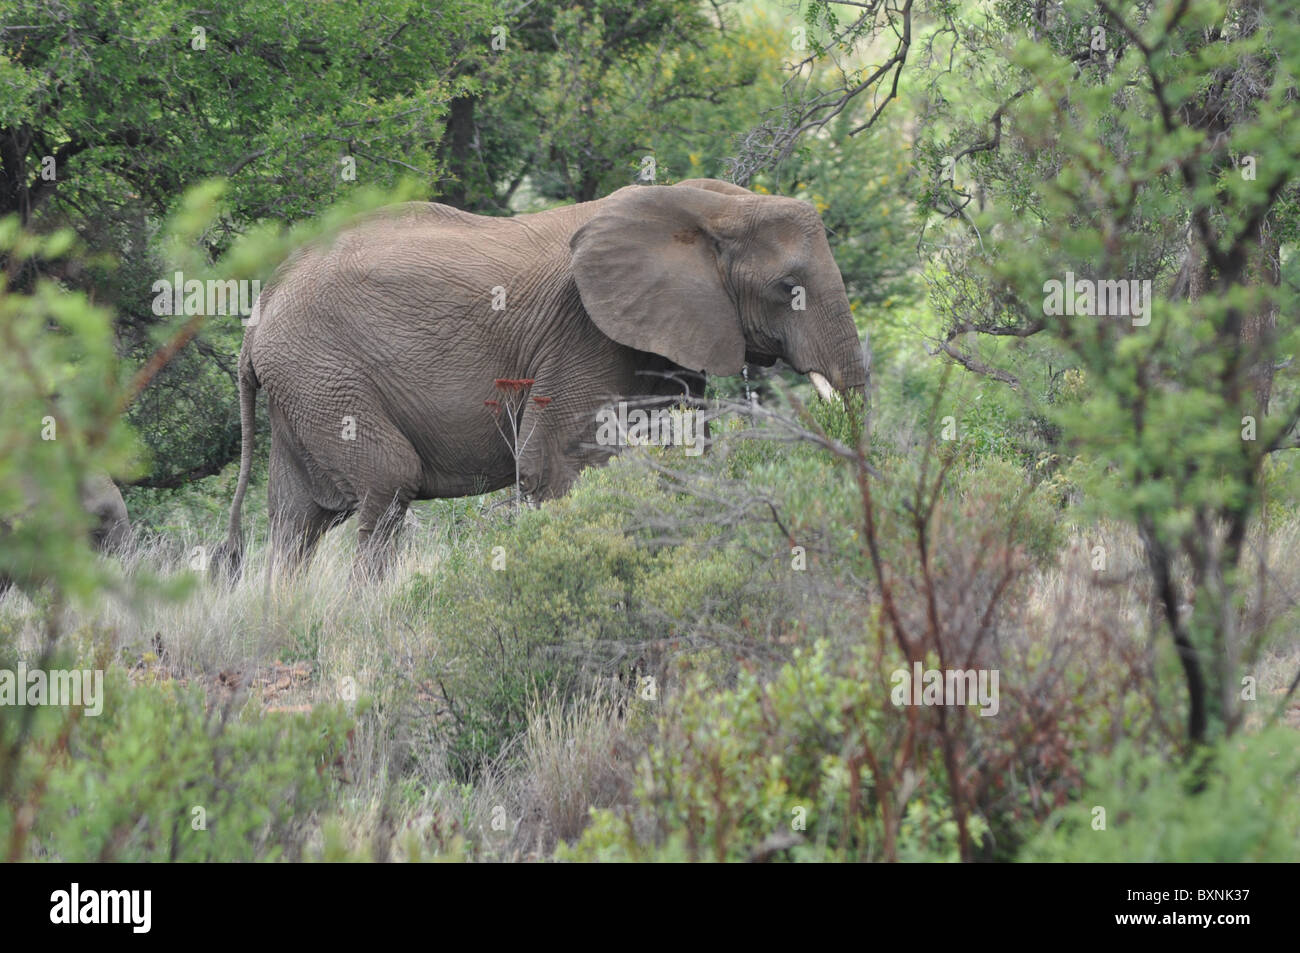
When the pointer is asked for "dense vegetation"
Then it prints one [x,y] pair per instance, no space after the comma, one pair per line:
[686,657]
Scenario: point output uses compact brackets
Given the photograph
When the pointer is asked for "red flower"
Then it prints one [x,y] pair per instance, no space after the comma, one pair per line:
[513,383]
[541,401]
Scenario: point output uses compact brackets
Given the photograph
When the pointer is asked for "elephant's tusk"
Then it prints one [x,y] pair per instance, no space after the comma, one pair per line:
[824,389]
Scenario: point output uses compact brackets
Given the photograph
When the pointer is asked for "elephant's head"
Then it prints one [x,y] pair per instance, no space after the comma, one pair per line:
[110,529]
[713,276]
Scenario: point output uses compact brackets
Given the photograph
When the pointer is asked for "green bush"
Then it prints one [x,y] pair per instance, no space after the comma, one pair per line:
[771,770]
[995,492]
[1236,802]
[160,775]
[579,593]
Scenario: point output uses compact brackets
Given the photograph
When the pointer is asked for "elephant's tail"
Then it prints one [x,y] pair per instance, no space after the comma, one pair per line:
[228,560]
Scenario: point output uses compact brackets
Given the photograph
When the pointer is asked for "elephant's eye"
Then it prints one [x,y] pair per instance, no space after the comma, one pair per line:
[789,284]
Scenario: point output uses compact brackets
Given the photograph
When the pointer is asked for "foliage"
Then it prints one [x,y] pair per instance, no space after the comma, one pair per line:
[560,603]
[1167,403]
[151,98]
[765,771]
[1236,803]
[63,424]
[609,84]
[58,388]
[1144,148]
[161,775]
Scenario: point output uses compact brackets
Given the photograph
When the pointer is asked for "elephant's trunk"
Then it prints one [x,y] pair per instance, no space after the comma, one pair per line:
[119,537]
[845,372]
[843,368]
[855,395]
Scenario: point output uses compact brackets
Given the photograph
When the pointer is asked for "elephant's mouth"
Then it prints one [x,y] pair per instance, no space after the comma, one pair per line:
[761,358]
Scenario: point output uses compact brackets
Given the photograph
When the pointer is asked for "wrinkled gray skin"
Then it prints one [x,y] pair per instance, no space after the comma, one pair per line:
[392,325]
[110,532]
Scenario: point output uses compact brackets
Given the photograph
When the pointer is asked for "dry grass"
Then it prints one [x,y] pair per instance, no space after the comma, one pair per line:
[318,637]
[575,760]
[1113,608]
[356,640]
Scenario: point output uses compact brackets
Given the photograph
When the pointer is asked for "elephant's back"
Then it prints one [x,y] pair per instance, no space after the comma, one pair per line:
[432,224]
[413,310]
[409,289]
[415,215]
[421,268]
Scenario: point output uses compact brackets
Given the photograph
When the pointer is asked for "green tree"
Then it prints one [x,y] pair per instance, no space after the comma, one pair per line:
[1137,141]
[111,111]
[581,97]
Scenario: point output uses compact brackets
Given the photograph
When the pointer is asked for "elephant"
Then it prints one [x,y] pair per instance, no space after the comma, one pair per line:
[110,532]
[378,350]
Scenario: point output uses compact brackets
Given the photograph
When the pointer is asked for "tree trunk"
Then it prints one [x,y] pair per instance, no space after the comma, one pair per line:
[1259,329]
[457,153]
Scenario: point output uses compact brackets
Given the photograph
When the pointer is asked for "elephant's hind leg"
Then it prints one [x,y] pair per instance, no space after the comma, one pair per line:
[297,527]
[296,530]
[297,520]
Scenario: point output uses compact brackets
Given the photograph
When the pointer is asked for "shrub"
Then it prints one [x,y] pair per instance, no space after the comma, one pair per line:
[1233,803]
[581,595]
[939,574]
[159,775]
[769,770]
[576,760]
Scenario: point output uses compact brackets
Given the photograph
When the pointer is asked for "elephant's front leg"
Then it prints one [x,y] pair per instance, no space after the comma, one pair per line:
[378,525]
[388,469]
[556,440]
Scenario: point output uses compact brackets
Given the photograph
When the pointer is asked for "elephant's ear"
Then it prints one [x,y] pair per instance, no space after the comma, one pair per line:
[647,267]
